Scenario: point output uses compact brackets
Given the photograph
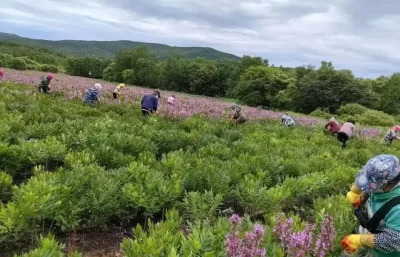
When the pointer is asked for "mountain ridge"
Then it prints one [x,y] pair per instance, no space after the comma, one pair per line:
[107,49]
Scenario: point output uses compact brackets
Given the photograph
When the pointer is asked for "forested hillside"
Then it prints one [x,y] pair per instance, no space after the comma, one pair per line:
[107,49]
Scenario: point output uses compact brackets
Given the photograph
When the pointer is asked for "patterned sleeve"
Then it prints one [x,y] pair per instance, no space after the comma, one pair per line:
[96,94]
[388,240]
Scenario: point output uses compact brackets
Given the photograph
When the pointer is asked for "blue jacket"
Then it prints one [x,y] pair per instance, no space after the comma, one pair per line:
[150,102]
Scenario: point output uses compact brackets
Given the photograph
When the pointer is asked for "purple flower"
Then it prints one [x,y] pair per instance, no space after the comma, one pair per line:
[250,236]
[258,230]
[261,252]
[300,243]
[283,229]
[233,244]
[324,241]
[249,246]
[236,219]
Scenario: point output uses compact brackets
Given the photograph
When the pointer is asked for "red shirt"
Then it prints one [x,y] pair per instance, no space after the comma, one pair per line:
[335,126]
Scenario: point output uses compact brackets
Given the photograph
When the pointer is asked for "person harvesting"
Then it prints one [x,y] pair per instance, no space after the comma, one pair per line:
[117,93]
[346,132]
[149,103]
[45,84]
[377,189]
[238,114]
[391,135]
[93,94]
[171,100]
[287,120]
[333,126]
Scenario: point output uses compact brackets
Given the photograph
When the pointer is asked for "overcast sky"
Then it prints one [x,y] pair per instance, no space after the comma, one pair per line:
[361,35]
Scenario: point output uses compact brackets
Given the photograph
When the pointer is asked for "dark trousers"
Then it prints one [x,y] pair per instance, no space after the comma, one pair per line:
[146,112]
[115,95]
[342,137]
[240,121]
[42,89]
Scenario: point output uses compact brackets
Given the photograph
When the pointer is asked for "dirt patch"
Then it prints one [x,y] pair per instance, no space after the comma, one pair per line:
[97,243]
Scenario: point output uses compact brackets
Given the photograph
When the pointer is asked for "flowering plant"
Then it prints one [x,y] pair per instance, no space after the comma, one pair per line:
[248,244]
[303,243]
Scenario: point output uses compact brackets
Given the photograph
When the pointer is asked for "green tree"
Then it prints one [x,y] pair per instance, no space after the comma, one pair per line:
[328,89]
[90,67]
[110,72]
[249,61]
[391,95]
[204,78]
[260,86]
[228,74]
[128,76]
[175,74]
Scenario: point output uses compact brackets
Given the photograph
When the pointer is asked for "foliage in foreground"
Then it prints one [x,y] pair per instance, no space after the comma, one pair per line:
[48,246]
[77,167]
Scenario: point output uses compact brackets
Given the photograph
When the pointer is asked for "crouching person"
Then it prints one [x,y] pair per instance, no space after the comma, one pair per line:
[375,195]
[238,116]
[93,94]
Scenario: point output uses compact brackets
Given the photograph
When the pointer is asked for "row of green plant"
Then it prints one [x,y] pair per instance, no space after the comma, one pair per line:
[211,236]
[66,166]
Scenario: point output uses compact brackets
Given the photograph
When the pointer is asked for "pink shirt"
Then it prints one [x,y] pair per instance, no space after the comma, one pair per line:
[171,100]
[348,128]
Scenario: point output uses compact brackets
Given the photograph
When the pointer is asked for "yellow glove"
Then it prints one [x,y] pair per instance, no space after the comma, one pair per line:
[368,240]
[351,243]
[354,196]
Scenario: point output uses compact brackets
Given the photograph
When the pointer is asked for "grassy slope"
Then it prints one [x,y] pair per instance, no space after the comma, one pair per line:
[109,48]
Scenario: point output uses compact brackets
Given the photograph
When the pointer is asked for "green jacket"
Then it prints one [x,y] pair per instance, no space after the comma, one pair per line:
[392,221]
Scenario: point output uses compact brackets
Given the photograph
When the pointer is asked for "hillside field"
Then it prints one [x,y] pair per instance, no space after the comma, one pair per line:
[77,171]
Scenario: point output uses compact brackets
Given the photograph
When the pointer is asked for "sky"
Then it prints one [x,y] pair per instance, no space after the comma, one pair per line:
[360,35]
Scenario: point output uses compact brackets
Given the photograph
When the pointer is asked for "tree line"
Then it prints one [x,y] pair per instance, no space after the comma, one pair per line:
[253,81]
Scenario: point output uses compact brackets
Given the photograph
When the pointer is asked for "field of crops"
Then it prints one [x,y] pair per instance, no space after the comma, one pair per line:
[188,187]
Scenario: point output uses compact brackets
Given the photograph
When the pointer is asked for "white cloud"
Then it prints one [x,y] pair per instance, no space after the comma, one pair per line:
[287,32]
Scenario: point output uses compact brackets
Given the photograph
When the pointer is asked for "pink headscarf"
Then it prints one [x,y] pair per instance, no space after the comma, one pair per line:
[50,76]
[396,128]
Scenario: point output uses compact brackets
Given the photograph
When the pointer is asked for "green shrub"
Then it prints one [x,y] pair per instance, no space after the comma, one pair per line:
[48,246]
[48,68]
[5,186]
[321,114]
[17,63]
[198,206]
[365,116]
[352,109]
[376,118]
